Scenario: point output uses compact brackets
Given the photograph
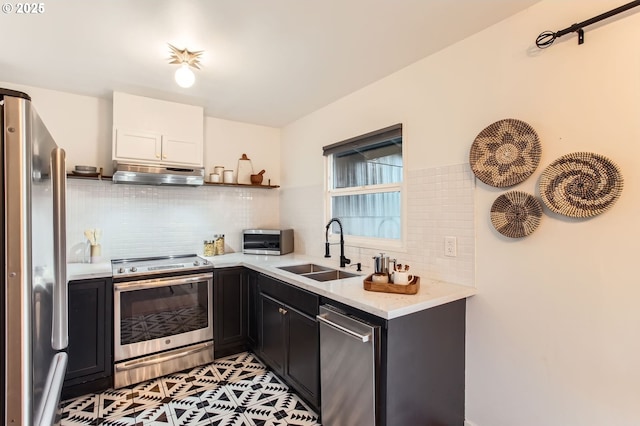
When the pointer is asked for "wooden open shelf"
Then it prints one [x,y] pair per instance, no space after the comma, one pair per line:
[97,176]
[242,185]
[104,177]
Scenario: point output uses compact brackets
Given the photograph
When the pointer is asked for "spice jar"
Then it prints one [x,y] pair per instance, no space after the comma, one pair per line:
[227,176]
[219,244]
[209,248]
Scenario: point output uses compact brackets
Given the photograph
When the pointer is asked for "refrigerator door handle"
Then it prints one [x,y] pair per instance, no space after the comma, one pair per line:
[60,332]
[46,413]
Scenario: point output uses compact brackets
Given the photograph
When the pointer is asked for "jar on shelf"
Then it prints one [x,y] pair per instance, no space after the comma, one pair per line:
[209,248]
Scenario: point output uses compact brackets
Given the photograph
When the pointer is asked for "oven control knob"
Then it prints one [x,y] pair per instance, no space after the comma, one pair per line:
[133,269]
[205,262]
[196,263]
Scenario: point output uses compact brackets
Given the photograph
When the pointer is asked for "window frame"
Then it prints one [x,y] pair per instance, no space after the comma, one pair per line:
[330,192]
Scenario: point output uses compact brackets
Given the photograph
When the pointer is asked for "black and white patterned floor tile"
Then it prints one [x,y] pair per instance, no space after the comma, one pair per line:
[239,366]
[256,389]
[237,390]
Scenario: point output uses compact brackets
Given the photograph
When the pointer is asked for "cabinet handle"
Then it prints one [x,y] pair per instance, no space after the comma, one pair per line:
[284,312]
[364,338]
[157,155]
[155,359]
[279,310]
[164,157]
[160,282]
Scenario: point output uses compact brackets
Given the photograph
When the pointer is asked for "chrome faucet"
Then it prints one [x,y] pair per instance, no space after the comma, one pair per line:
[343,260]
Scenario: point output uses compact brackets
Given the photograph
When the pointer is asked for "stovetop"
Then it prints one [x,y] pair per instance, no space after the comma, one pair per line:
[149,266]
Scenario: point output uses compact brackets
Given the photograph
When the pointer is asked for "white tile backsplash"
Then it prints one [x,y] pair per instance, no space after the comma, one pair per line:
[440,203]
[143,220]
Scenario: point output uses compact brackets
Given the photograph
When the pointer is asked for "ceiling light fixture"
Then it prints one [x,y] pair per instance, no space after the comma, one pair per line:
[184,75]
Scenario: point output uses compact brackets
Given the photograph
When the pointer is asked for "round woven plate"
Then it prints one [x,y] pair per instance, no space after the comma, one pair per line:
[580,184]
[505,153]
[516,214]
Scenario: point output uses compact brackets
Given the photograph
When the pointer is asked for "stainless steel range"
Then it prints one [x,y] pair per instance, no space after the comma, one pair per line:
[163,316]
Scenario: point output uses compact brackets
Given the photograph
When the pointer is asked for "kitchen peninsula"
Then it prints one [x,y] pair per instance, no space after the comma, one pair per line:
[272,312]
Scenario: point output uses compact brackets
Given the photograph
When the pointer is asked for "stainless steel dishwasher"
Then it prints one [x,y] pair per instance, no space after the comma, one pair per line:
[348,376]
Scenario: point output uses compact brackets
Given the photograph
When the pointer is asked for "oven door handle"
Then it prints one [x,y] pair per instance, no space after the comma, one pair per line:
[160,282]
[136,363]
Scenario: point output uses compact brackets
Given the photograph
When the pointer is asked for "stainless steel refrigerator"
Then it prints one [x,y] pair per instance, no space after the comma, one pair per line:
[33,291]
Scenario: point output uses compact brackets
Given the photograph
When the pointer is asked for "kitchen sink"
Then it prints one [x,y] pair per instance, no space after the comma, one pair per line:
[330,275]
[307,268]
[317,272]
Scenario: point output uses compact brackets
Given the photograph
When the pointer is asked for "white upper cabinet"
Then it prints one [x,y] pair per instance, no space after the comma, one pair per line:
[151,131]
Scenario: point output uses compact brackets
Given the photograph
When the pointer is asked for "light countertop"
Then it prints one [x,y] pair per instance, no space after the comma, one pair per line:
[87,271]
[349,291]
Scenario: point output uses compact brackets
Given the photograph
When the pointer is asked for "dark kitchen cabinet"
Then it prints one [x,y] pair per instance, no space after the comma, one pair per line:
[229,311]
[90,350]
[290,336]
[253,311]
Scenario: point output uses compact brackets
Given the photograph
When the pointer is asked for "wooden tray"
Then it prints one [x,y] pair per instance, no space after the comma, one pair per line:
[411,288]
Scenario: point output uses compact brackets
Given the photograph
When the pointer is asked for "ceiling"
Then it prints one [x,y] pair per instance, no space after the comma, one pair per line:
[266,62]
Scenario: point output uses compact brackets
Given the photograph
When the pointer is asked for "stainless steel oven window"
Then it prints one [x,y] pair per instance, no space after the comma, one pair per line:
[163,312]
[160,314]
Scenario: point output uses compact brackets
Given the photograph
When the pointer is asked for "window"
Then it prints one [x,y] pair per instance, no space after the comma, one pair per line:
[364,189]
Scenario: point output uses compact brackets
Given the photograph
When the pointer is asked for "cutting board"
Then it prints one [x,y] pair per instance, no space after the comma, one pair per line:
[245,170]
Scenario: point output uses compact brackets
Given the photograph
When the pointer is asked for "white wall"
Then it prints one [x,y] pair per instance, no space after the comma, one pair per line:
[554,334]
[225,141]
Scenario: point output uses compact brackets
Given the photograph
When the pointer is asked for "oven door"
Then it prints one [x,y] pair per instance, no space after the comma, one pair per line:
[155,315]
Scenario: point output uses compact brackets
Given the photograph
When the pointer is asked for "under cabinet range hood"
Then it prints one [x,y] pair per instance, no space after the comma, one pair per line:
[158,175]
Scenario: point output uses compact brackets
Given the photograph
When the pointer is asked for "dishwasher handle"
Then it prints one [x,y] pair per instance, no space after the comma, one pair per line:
[364,338]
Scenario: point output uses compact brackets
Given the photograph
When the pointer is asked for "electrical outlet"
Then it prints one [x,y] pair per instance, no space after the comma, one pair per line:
[450,246]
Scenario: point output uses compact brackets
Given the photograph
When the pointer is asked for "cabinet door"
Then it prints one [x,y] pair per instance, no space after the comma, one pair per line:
[89,330]
[273,341]
[181,151]
[230,327]
[137,146]
[253,311]
[303,362]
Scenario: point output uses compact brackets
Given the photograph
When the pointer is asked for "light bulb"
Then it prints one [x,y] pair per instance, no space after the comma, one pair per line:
[184,76]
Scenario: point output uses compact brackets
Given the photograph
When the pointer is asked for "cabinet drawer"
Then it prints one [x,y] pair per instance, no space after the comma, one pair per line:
[297,298]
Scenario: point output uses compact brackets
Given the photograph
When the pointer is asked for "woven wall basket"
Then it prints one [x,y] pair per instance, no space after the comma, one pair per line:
[505,153]
[516,214]
[580,184]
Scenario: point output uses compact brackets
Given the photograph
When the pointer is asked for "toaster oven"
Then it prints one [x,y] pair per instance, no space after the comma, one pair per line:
[267,241]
